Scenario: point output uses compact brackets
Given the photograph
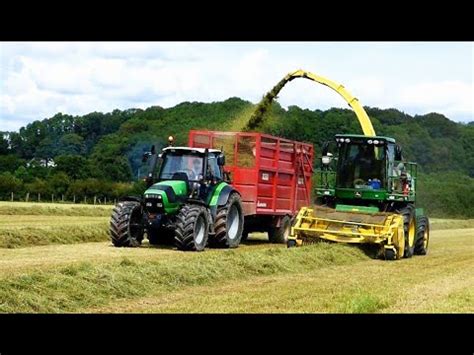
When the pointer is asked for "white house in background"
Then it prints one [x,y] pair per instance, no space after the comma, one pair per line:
[45,163]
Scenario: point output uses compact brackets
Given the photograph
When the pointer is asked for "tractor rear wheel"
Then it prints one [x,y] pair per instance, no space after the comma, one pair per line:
[409,226]
[192,228]
[280,234]
[126,225]
[423,236]
[229,224]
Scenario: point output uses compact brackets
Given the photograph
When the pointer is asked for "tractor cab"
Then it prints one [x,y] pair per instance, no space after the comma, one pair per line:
[191,164]
[367,168]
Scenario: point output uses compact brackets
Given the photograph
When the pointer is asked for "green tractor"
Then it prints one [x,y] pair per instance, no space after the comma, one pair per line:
[188,202]
[366,193]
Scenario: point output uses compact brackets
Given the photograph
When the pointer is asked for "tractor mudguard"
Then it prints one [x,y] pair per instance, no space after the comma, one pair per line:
[224,195]
[220,197]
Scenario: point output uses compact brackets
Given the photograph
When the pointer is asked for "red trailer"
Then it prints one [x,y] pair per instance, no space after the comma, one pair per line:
[273,176]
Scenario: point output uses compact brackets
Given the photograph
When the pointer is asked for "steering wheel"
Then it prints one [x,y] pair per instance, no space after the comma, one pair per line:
[189,172]
[359,181]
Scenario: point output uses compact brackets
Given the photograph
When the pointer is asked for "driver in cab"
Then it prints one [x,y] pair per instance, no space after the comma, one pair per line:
[196,169]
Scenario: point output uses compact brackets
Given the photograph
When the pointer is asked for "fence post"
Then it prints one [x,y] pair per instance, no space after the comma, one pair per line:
[62,198]
[74,198]
[39,197]
[52,198]
[27,196]
[12,197]
[85,199]
[95,199]
[105,200]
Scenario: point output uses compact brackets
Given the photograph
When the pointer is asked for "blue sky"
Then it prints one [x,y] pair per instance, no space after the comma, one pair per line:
[39,79]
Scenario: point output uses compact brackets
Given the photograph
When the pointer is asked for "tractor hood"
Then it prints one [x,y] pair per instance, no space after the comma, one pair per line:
[172,188]
[169,193]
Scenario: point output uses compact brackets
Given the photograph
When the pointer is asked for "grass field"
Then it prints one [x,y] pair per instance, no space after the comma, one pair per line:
[256,277]
[27,224]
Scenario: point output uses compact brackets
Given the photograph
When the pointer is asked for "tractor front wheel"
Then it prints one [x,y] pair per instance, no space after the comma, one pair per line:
[126,225]
[229,224]
[192,228]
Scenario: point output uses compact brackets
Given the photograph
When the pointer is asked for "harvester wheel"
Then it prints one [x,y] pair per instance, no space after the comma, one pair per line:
[160,236]
[245,236]
[229,224]
[423,236]
[280,234]
[409,226]
[291,243]
[390,254]
[192,228]
[126,226]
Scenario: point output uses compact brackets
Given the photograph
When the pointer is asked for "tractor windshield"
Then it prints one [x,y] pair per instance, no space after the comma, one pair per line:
[176,164]
[360,166]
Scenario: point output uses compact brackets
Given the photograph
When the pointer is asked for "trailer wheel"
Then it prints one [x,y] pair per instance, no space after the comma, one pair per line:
[423,236]
[126,226]
[229,224]
[191,228]
[280,234]
[409,226]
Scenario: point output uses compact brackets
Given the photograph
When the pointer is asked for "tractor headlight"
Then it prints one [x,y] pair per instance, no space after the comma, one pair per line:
[347,140]
[370,141]
[376,142]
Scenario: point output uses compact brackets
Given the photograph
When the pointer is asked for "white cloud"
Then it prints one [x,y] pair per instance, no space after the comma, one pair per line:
[38,80]
[448,97]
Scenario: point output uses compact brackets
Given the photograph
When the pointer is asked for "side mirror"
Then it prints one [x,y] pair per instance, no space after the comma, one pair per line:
[398,153]
[221,160]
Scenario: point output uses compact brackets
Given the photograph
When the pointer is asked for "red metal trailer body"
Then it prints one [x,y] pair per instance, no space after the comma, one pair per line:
[273,175]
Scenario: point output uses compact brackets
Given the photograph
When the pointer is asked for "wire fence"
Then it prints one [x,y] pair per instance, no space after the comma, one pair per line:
[53,198]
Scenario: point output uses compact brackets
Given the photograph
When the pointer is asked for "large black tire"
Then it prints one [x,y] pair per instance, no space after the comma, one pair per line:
[192,228]
[422,236]
[280,234]
[160,236]
[229,224]
[389,254]
[126,224]
[409,226]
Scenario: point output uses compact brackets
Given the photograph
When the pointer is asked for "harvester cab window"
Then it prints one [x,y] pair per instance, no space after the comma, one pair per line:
[361,166]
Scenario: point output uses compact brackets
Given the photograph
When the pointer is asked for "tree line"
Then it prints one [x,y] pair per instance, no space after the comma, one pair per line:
[99,154]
